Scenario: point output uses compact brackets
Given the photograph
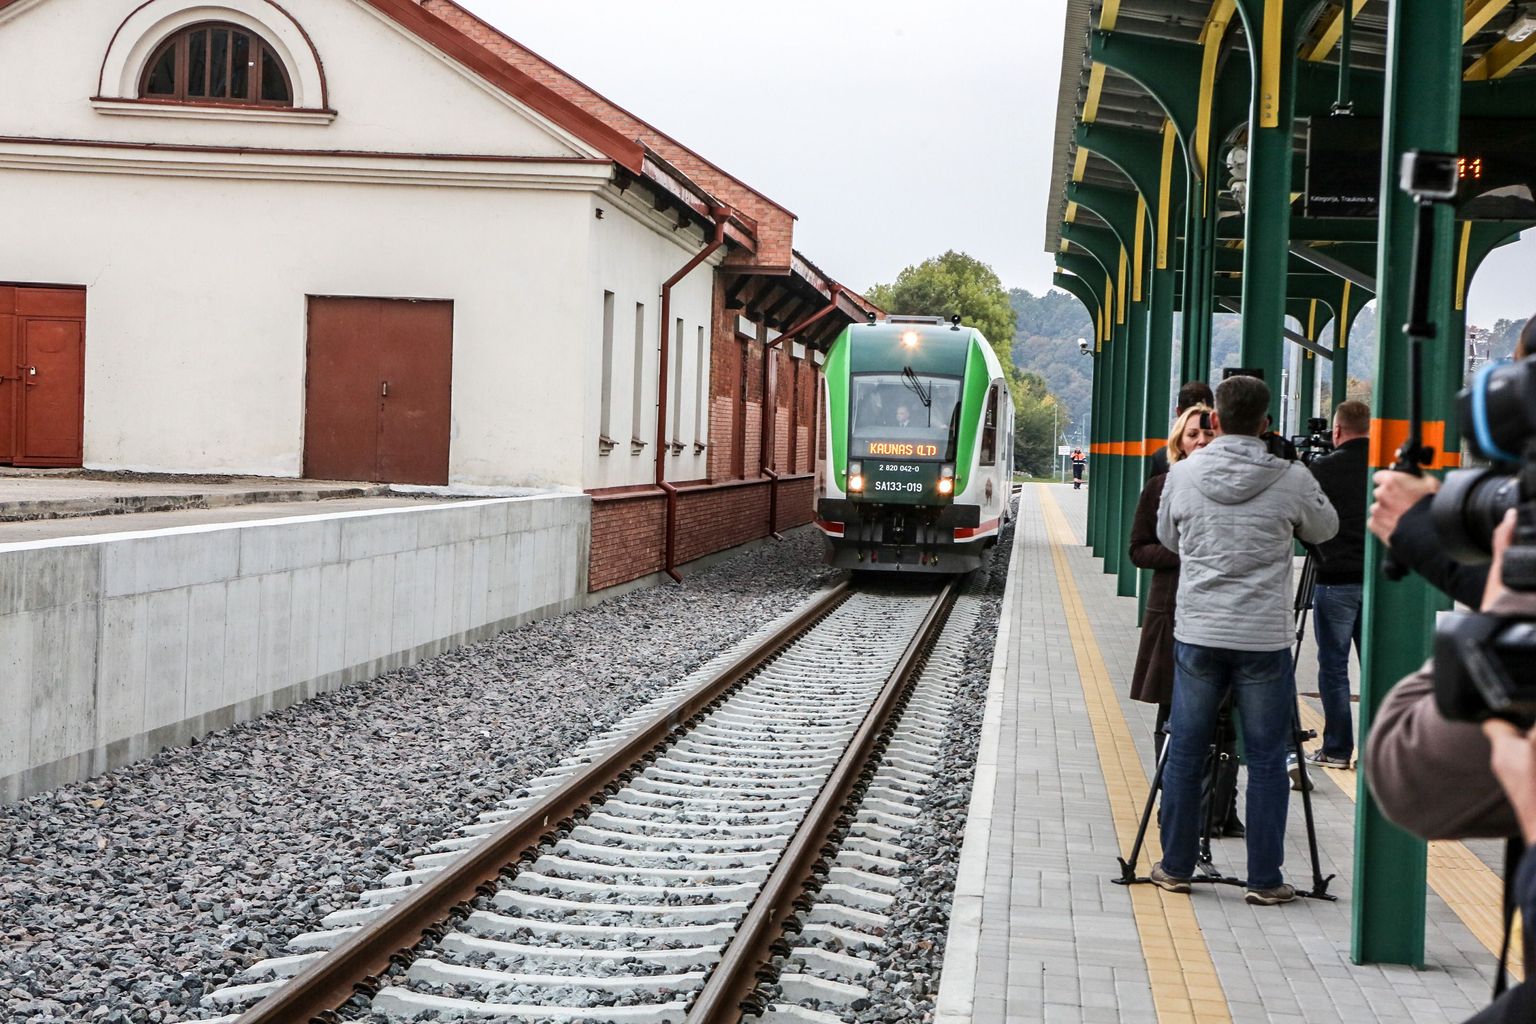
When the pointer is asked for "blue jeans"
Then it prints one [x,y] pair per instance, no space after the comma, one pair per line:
[1264,689]
[1336,621]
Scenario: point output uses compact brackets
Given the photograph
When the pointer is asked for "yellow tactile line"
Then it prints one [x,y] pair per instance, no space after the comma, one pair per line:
[1467,885]
[1185,988]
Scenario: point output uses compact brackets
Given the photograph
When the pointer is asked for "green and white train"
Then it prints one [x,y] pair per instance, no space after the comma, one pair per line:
[919,427]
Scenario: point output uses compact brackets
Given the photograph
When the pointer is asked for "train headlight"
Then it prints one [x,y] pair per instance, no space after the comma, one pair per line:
[947,481]
[909,339]
[855,476]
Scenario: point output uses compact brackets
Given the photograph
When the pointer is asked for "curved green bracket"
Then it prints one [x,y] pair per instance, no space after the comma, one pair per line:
[1229,103]
[1085,292]
[1088,270]
[1486,237]
[1116,207]
[1101,243]
[1137,154]
[1168,71]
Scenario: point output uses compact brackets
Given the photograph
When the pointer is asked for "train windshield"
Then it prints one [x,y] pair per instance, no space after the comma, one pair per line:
[907,415]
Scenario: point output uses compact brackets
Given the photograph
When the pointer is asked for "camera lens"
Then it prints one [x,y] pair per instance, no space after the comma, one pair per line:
[1498,412]
[1468,507]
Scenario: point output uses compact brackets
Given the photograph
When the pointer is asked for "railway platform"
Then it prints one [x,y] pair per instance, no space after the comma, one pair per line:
[51,504]
[1041,932]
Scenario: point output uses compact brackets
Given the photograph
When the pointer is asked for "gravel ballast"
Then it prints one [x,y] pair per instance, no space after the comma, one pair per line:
[907,983]
[126,897]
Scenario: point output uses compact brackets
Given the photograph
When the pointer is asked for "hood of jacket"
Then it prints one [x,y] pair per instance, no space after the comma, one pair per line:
[1234,469]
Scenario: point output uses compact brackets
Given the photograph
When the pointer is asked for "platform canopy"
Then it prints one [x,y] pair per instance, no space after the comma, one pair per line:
[1242,156]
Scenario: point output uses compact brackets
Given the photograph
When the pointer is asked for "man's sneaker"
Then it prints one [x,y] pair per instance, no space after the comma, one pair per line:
[1163,880]
[1322,760]
[1293,769]
[1281,893]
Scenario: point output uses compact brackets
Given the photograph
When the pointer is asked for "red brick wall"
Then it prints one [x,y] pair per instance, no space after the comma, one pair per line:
[628,527]
[714,518]
[628,536]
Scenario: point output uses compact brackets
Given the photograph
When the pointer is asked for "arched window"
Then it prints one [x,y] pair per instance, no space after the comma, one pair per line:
[215,62]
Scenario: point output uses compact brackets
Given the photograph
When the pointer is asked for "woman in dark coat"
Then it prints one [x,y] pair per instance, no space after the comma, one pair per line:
[1152,680]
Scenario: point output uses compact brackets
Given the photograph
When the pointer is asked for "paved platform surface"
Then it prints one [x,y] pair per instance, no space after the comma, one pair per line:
[1041,933]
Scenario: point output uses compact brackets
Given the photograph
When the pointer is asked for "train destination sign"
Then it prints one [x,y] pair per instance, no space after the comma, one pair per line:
[1497,169]
[902,448]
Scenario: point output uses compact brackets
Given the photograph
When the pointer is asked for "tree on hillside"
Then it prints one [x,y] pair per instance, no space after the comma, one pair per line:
[1035,421]
[951,284]
[1503,337]
[1045,343]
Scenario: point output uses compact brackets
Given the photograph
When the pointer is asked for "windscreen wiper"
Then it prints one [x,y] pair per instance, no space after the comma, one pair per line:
[923,392]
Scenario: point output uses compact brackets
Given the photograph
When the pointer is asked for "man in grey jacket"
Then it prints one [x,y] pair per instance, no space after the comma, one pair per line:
[1230,512]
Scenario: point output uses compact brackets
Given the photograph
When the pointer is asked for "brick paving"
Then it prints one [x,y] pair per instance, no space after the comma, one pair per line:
[1040,933]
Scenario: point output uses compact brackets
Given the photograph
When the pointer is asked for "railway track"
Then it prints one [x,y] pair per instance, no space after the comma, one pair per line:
[728,849]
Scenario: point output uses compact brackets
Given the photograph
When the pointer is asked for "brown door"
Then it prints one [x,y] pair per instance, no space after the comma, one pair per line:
[379,390]
[42,375]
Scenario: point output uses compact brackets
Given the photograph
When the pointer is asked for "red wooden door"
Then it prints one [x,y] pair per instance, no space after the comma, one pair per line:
[379,390]
[42,376]
[415,391]
[10,380]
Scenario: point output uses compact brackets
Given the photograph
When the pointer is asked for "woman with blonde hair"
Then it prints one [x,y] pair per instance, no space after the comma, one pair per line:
[1152,680]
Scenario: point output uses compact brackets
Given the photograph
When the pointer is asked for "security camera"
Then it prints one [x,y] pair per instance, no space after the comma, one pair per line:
[1082,345]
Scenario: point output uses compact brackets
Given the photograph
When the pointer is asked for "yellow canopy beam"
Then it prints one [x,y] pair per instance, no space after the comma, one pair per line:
[1330,29]
[1479,13]
[1502,57]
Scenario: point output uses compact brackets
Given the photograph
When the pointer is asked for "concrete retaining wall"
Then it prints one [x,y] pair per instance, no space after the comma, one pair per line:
[114,646]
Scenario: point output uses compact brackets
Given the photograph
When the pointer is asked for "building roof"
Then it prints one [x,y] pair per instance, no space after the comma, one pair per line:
[761,231]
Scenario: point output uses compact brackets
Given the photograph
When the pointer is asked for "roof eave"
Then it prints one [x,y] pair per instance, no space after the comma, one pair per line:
[1074,49]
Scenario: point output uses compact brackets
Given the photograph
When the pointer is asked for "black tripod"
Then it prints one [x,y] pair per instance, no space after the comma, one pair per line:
[1216,808]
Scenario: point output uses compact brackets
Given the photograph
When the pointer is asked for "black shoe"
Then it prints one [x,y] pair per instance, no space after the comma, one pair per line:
[1233,829]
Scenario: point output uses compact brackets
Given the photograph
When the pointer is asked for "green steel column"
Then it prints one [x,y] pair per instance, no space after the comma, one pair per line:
[1271,30]
[1158,404]
[1095,531]
[1133,463]
[1194,233]
[1423,93]
[1341,328]
[1103,374]
[1205,285]
[1114,465]
[1306,388]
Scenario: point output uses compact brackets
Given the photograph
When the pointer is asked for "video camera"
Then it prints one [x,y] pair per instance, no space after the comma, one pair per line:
[1316,442]
[1485,664]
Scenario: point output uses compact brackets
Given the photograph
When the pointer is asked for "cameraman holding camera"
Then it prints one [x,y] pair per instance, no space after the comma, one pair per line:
[1230,512]
[1415,754]
[1340,576]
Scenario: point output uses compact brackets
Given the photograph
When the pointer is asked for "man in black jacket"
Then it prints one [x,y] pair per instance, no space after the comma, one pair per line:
[1196,392]
[1343,476]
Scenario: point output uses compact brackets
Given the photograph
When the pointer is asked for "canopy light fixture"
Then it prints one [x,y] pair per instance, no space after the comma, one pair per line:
[1522,28]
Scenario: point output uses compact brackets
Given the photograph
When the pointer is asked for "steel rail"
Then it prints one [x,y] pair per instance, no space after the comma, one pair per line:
[353,965]
[730,986]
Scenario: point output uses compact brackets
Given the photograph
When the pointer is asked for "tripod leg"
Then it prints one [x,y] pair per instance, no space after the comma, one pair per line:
[1215,802]
[1319,883]
[1128,867]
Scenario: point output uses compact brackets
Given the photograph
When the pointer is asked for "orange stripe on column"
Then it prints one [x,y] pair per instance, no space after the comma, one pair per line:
[1130,449]
[1387,436]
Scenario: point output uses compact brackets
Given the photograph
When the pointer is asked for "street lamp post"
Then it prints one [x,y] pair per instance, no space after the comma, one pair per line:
[1056,429]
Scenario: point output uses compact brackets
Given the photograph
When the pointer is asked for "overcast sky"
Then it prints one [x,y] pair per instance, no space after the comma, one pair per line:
[894,129]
